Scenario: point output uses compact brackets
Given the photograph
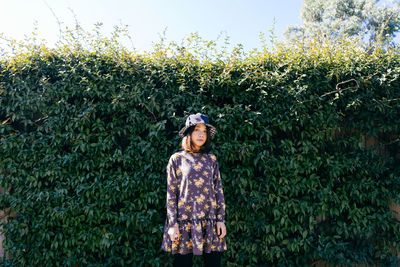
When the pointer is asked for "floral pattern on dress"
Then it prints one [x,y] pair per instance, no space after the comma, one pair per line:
[195,201]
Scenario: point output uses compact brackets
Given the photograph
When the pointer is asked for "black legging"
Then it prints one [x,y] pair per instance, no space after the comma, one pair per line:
[212,259]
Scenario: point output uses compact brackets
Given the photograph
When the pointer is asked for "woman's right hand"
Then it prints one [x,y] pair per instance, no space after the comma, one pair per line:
[173,233]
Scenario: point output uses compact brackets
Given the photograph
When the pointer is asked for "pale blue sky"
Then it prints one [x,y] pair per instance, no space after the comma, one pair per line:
[241,20]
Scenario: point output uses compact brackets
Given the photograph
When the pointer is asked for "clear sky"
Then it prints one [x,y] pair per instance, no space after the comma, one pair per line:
[241,20]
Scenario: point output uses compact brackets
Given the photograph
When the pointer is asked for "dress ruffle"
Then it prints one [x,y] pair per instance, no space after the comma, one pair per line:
[196,236]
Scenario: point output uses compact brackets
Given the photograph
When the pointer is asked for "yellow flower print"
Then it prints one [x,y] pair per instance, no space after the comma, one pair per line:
[188,208]
[205,172]
[204,223]
[207,206]
[184,217]
[219,216]
[202,214]
[199,245]
[213,247]
[181,203]
[172,187]
[171,202]
[206,189]
[175,245]
[188,227]
[199,182]
[198,228]
[200,199]
[169,249]
[198,166]
[214,203]
[178,171]
[203,158]
[213,157]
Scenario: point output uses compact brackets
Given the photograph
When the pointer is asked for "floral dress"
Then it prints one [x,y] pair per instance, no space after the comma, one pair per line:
[195,200]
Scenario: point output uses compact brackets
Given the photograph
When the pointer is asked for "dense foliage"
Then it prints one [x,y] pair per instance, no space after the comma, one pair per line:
[87,133]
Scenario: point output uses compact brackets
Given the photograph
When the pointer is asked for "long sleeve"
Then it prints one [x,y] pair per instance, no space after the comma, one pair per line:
[219,194]
[172,193]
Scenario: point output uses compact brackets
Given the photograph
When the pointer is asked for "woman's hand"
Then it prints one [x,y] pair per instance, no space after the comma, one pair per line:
[221,229]
[173,233]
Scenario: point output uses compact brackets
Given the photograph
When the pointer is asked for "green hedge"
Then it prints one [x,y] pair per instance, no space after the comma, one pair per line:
[86,136]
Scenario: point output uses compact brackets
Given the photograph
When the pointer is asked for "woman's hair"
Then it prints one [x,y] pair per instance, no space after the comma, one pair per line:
[187,144]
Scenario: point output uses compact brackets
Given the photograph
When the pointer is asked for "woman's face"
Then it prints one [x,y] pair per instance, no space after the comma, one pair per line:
[199,135]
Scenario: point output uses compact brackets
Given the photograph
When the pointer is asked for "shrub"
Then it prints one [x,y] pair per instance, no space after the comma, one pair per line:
[88,128]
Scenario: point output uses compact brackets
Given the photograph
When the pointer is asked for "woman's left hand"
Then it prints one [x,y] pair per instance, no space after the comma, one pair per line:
[221,229]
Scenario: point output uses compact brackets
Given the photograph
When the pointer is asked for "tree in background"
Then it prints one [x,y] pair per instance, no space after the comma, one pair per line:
[366,21]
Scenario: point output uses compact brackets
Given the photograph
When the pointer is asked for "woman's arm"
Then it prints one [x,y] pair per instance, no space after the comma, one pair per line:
[219,194]
[172,193]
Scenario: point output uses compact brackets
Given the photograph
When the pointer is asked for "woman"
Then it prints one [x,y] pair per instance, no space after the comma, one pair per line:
[195,223]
